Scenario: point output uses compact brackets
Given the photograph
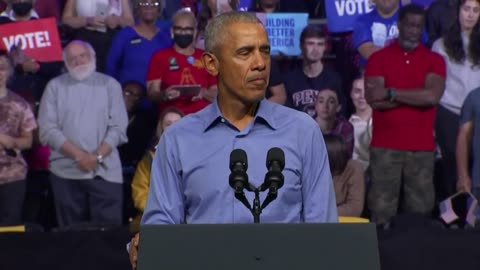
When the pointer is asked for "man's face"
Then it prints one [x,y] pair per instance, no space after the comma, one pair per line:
[468,15]
[386,6]
[184,26]
[80,61]
[313,49]
[243,62]
[78,55]
[327,105]
[410,31]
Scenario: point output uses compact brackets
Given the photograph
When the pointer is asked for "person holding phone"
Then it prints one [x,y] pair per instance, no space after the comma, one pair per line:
[176,76]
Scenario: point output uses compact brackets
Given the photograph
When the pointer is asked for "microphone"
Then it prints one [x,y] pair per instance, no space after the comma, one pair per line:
[238,166]
[274,178]
[275,163]
[238,178]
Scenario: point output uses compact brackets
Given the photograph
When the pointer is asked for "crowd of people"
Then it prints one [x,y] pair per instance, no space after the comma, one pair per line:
[83,140]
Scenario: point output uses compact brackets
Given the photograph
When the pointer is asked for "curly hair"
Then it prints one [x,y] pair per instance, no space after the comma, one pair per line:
[453,41]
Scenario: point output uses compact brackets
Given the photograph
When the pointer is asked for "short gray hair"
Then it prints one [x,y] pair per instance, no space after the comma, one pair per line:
[216,31]
[184,13]
[80,42]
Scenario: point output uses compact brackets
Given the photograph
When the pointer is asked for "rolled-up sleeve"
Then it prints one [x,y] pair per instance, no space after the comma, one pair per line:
[117,118]
[319,203]
[48,122]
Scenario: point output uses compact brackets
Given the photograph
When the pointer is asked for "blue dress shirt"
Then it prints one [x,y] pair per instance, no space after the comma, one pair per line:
[189,178]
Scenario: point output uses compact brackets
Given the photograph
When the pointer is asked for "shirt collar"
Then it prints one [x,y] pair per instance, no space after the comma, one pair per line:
[265,113]
[396,45]
[11,15]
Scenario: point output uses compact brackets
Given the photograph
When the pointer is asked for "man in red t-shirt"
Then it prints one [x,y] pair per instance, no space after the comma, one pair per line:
[404,82]
[180,66]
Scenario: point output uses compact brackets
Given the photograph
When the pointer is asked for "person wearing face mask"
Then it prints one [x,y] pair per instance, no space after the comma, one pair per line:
[19,10]
[30,9]
[178,66]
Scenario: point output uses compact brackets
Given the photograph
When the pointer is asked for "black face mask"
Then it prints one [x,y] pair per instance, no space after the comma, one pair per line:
[183,41]
[22,9]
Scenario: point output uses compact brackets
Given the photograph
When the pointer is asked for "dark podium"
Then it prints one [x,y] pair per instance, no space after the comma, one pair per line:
[330,246]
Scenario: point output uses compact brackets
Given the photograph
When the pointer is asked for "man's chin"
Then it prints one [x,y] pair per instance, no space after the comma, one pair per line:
[82,73]
[254,98]
[409,45]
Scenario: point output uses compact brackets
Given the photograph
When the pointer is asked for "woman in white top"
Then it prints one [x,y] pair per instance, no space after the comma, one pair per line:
[460,48]
[96,22]
[362,122]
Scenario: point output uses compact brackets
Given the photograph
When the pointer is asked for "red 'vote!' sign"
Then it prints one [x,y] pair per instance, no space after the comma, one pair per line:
[38,39]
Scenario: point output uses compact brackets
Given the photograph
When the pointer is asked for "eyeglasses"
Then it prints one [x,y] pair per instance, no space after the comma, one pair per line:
[148,4]
[132,94]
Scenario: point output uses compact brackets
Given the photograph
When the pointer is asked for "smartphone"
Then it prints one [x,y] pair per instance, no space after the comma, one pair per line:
[101,9]
[188,90]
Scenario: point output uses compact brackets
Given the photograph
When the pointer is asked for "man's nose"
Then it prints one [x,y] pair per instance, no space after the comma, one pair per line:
[259,62]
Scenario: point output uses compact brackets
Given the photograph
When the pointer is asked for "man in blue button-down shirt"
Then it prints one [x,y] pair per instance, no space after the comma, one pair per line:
[189,182]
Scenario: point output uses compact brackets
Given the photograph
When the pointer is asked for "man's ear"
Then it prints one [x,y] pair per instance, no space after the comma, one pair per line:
[211,64]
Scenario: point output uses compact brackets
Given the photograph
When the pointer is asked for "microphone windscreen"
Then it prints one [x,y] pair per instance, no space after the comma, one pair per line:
[238,156]
[276,154]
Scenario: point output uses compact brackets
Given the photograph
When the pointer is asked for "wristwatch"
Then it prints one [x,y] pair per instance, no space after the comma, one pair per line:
[100,159]
[390,95]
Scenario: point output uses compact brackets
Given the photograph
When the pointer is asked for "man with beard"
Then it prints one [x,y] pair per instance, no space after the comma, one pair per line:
[403,84]
[83,119]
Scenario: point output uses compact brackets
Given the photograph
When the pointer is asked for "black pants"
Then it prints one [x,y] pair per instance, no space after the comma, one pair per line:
[91,201]
[12,196]
[446,131]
